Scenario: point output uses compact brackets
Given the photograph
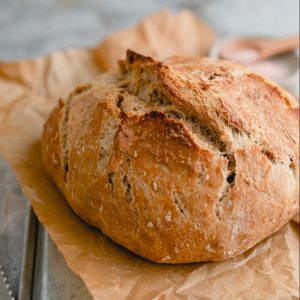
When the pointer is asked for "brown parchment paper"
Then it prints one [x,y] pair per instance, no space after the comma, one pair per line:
[28,91]
[159,36]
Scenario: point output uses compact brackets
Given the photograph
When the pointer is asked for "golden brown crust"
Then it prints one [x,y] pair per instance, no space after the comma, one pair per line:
[188,160]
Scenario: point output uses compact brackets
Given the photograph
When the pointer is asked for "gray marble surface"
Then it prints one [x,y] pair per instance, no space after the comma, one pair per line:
[33,27]
[30,28]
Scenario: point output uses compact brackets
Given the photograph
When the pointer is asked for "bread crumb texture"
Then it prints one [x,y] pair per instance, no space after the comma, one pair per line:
[187,160]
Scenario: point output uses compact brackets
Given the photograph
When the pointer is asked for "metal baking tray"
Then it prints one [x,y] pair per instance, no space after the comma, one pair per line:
[45,274]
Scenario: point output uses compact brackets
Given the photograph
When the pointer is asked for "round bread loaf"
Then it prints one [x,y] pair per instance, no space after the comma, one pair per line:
[188,160]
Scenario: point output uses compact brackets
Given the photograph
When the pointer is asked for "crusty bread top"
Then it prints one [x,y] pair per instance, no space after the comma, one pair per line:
[191,159]
[250,106]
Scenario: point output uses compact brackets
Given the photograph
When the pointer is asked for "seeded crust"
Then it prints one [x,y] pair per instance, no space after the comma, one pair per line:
[188,160]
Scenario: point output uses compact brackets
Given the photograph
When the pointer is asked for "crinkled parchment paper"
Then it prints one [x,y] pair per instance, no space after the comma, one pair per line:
[30,89]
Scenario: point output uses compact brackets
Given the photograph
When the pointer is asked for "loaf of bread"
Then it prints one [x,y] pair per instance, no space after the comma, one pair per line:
[187,160]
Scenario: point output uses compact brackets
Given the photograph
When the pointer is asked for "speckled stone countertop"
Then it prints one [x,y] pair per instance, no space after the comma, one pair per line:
[32,28]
